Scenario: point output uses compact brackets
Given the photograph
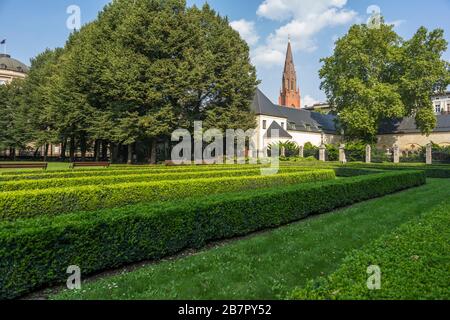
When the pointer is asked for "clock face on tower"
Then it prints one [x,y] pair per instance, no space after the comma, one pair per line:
[290,92]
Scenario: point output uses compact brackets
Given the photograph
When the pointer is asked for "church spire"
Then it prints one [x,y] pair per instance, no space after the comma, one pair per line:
[289,93]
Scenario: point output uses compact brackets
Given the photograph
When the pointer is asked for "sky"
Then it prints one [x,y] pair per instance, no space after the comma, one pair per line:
[31,26]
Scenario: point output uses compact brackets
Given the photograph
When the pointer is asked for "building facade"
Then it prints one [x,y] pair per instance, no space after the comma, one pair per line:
[318,126]
[441,103]
[11,69]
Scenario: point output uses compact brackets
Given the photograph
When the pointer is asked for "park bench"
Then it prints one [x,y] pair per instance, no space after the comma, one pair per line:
[40,165]
[89,164]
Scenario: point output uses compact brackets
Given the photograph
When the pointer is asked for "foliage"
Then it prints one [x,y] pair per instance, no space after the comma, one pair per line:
[55,201]
[310,151]
[411,267]
[139,71]
[374,76]
[290,147]
[118,177]
[42,248]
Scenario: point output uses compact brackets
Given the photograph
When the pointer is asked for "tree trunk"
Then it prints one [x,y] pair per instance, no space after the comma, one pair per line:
[104,150]
[72,149]
[45,152]
[83,147]
[97,150]
[130,154]
[62,154]
[114,152]
[153,151]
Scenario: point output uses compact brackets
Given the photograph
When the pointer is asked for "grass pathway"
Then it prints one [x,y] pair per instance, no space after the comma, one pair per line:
[269,265]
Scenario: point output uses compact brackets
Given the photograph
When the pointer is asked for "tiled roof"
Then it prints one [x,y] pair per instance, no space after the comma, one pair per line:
[408,125]
[298,119]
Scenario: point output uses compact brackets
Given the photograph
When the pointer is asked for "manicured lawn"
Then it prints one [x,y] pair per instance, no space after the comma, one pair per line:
[414,262]
[270,265]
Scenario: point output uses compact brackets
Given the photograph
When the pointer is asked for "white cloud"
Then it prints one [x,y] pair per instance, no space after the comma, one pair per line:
[301,29]
[247,30]
[298,9]
[308,101]
[396,23]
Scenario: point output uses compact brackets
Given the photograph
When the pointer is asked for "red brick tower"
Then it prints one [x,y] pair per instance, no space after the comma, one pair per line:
[290,92]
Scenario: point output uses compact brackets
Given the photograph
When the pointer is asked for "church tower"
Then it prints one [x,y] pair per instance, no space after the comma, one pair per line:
[290,92]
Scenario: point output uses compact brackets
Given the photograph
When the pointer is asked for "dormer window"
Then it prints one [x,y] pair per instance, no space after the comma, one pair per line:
[264,124]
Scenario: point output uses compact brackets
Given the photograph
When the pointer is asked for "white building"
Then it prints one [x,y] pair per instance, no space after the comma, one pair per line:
[297,125]
[441,103]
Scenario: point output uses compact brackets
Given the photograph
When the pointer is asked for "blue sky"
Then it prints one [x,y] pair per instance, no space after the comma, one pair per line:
[30,26]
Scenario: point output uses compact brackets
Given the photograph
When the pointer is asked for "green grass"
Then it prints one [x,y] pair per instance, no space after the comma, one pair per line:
[269,265]
[414,262]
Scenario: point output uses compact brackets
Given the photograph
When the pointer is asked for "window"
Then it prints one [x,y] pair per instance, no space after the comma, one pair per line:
[282,125]
[437,108]
[264,124]
[448,107]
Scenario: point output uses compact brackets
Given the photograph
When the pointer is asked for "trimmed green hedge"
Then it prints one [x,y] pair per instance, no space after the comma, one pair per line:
[137,176]
[36,252]
[414,263]
[54,201]
[119,171]
[432,171]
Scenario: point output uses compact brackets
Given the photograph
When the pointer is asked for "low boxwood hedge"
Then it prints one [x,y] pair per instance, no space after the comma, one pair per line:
[36,252]
[114,171]
[414,262]
[137,176]
[432,171]
[53,201]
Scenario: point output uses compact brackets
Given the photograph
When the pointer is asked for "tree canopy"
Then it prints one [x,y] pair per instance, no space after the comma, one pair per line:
[142,69]
[374,75]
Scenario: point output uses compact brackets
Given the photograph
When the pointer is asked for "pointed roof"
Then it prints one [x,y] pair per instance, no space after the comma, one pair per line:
[289,57]
[283,134]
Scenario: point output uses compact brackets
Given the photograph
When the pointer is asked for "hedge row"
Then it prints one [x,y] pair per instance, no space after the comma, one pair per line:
[117,171]
[432,171]
[414,263]
[134,177]
[36,252]
[27,203]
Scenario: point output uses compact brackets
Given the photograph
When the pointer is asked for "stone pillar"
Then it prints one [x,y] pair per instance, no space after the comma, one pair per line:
[429,153]
[368,153]
[322,151]
[283,151]
[342,157]
[396,154]
[301,152]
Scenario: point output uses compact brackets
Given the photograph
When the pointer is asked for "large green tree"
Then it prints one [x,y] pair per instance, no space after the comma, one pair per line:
[38,111]
[375,75]
[147,67]
[14,133]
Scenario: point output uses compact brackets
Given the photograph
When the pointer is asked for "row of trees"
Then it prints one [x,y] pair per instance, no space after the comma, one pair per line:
[142,69]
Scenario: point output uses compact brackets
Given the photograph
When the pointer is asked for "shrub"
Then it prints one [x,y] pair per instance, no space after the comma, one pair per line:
[27,203]
[36,252]
[121,171]
[413,260]
[136,176]
[432,171]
